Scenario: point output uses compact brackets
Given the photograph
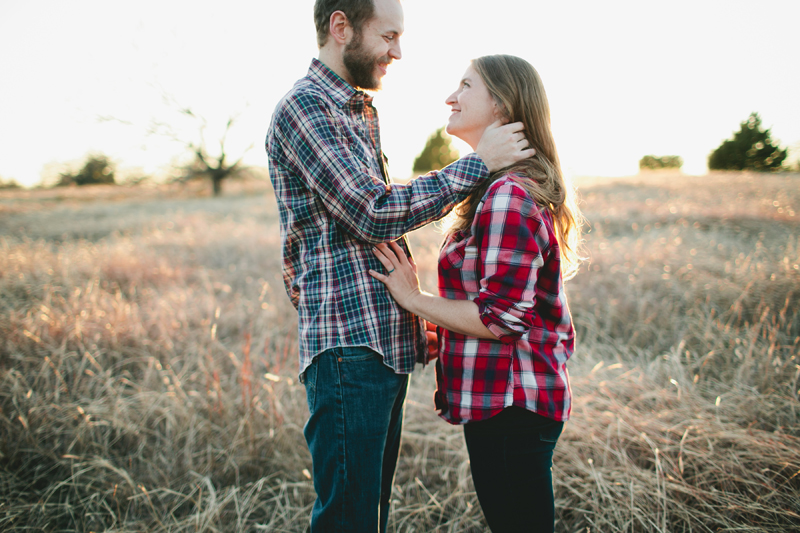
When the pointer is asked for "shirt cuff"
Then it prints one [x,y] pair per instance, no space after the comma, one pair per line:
[493,318]
[465,174]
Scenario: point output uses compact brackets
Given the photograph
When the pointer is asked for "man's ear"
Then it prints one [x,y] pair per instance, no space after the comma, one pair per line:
[340,28]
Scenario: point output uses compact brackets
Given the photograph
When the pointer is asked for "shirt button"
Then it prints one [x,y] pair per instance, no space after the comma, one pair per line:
[340,359]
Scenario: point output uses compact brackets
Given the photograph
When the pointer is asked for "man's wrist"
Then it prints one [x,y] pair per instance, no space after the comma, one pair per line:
[485,162]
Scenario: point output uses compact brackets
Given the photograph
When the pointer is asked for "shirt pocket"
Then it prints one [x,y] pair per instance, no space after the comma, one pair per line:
[351,141]
[361,150]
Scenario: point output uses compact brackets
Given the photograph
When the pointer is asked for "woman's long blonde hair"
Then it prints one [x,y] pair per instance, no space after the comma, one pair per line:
[516,87]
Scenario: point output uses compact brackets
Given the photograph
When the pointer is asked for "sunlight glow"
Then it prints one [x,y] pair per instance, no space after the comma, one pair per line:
[664,79]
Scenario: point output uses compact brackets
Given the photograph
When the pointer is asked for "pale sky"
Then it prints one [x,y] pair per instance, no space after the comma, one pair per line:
[624,78]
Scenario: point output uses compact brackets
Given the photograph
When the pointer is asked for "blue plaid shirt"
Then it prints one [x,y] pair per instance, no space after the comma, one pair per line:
[335,202]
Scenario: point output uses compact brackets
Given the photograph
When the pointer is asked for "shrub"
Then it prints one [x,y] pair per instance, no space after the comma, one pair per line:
[652,162]
[9,184]
[97,169]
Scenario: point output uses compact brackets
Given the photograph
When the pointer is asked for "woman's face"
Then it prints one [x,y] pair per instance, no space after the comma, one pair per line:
[473,109]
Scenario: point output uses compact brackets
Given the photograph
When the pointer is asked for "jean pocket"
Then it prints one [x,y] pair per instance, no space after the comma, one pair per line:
[310,382]
[357,355]
[551,432]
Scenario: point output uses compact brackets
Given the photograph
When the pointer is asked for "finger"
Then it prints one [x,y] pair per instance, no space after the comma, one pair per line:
[383,258]
[413,264]
[433,352]
[380,252]
[391,250]
[399,255]
[383,248]
[380,277]
[514,127]
[433,342]
[496,124]
[430,326]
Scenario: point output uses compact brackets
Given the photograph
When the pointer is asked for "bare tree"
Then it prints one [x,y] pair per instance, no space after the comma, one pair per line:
[217,168]
[204,165]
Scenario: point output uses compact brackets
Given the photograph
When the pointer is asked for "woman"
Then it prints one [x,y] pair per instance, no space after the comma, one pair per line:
[505,330]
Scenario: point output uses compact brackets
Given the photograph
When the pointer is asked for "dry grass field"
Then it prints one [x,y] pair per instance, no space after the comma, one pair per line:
[148,366]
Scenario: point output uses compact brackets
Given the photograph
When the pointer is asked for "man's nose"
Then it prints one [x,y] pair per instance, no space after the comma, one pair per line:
[394,50]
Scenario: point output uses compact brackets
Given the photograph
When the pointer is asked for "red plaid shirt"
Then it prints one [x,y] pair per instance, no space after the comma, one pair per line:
[509,263]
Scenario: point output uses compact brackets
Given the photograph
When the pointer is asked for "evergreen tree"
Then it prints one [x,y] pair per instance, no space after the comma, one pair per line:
[437,154]
[750,149]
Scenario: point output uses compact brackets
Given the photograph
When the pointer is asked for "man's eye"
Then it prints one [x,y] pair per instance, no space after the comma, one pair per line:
[389,37]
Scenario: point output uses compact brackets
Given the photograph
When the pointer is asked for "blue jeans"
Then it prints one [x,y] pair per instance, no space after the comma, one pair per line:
[353,433]
[511,456]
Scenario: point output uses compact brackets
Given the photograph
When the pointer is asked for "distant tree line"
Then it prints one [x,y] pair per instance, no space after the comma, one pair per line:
[751,148]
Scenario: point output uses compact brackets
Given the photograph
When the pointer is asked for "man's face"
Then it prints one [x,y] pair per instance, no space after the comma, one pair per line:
[367,55]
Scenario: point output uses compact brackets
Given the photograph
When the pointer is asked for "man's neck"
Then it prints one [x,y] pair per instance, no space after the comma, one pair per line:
[331,57]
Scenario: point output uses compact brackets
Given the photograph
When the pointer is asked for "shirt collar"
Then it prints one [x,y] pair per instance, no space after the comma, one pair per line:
[339,90]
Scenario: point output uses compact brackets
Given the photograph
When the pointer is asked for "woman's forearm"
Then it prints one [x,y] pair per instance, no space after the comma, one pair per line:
[460,316]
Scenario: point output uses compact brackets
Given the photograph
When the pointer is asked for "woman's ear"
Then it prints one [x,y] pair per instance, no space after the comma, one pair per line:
[500,112]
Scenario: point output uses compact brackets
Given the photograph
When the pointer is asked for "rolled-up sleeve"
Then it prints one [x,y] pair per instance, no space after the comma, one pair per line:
[513,243]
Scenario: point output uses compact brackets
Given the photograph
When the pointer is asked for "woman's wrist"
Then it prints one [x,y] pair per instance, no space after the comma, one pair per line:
[416,303]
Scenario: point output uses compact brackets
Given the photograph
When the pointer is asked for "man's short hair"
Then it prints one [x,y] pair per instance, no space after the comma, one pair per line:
[357,11]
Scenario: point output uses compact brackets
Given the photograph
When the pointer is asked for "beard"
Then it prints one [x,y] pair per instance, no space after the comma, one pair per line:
[362,66]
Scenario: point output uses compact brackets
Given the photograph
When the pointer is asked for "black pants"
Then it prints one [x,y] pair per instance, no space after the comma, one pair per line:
[511,455]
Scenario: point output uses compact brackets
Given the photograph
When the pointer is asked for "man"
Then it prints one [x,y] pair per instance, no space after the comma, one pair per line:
[335,199]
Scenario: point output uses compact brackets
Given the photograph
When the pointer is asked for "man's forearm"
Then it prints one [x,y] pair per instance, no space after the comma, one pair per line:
[363,205]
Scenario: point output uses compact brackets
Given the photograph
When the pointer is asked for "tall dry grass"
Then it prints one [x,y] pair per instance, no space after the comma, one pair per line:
[148,366]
